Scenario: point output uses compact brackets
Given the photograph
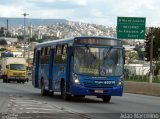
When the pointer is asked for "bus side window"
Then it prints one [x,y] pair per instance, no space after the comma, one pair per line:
[45,55]
[58,56]
[64,54]
[41,57]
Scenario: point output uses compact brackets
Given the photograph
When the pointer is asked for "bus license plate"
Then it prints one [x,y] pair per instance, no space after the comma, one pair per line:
[98,91]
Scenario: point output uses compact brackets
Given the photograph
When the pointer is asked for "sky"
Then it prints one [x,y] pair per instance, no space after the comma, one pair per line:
[102,12]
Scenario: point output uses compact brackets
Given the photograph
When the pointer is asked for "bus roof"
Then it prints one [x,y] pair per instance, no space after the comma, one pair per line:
[72,40]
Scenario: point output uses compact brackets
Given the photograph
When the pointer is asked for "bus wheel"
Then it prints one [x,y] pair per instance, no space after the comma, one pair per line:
[8,81]
[50,93]
[43,91]
[79,96]
[106,99]
[4,80]
[63,92]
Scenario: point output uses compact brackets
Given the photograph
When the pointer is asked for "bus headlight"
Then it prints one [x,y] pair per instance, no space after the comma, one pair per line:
[76,80]
[120,82]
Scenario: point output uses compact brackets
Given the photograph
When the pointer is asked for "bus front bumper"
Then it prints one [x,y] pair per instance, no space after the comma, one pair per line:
[80,90]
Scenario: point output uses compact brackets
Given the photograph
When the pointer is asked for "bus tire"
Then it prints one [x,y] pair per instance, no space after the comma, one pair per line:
[7,80]
[4,79]
[106,99]
[79,96]
[50,93]
[64,95]
[43,91]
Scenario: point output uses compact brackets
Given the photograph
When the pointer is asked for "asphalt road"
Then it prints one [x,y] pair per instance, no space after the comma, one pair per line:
[27,101]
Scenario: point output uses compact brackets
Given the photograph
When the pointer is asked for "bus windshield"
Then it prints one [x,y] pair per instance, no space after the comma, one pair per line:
[17,67]
[93,61]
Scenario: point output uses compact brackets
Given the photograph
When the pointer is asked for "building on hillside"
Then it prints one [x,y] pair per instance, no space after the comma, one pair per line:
[7,40]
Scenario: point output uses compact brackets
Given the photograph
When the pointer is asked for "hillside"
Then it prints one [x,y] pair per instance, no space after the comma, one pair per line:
[20,21]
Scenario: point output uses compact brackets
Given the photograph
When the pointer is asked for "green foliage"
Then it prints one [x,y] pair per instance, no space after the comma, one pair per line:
[33,39]
[131,56]
[138,78]
[3,49]
[20,37]
[40,40]
[156,44]
[155,33]
[157,70]
[140,52]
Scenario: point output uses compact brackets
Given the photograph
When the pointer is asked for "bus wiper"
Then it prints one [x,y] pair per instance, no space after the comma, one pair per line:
[108,52]
[89,51]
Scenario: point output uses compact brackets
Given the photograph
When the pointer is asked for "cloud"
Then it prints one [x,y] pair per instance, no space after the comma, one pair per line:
[79,2]
[96,13]
[92,11]
[10,11]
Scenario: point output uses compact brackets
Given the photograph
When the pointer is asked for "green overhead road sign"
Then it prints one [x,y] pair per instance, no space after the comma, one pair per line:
[131,27]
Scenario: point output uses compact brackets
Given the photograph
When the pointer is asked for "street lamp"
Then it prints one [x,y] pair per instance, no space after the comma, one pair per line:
[24,14]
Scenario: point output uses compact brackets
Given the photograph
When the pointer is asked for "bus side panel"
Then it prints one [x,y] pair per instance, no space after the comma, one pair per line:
[58,74]
[35,70]
[69,71]
[51,60]
[44,74]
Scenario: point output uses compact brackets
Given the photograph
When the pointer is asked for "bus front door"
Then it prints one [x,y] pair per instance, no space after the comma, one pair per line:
[35,70]
[69,71]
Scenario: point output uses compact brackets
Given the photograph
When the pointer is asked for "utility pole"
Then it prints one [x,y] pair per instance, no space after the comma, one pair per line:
[7,29]
[151,57]
[24,14]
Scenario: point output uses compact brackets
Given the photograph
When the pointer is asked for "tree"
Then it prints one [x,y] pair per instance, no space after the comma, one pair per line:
[3,49]
[140,52]
[155,34]
[131,56]
[156,43]
[20,37]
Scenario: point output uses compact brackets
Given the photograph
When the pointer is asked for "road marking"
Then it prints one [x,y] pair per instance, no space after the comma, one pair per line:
[30,108]
[9,105]
[35,111]
[35,105]
[27,102]
[27,112]
[26,117]
[20,108]
[27,105]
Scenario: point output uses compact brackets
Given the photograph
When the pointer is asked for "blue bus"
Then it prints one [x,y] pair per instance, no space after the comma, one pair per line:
[79,67]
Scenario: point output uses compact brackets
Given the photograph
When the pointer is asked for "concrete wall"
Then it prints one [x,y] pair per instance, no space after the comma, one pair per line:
[142,88]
